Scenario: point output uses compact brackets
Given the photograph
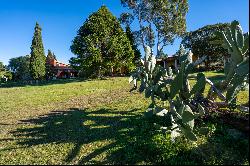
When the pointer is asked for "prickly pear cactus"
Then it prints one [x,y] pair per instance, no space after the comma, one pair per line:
[184,105]
[162,85]
[237,68]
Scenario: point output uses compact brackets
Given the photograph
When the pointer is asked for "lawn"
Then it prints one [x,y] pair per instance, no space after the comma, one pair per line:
[101,122]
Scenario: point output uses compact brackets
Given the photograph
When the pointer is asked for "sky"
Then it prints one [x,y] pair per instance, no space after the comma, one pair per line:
[60,20]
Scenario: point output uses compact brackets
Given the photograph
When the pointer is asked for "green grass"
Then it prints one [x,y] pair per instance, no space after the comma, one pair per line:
[100,122]
[215,76]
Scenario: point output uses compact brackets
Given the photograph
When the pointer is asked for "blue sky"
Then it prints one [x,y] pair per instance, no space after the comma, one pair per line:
[60,20]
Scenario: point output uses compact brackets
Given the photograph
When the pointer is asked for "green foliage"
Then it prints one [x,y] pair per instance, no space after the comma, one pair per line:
[37,58]
[137,53]
[8,75]
[201,42]
[160,21]
[19,66]
[181,51]
[101,45]
[49,67]
[50,55]
[126,19]
[2,67]
[5,75]
[2,72]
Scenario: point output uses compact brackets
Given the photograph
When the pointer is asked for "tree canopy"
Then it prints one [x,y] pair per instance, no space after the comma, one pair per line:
[2,66]
[201,42]
[160,21]
[137,53]
[50,55]
[19,66]
[49,68]
[101,45]
[37,59]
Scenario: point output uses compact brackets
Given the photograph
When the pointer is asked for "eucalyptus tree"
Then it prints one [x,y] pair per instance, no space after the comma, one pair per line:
[159,21]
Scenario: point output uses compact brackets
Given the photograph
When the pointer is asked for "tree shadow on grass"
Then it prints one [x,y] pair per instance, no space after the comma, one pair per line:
[82,127]
[132,136]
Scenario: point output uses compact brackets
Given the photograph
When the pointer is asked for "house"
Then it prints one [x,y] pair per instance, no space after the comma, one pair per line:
[61,70]
[172,61]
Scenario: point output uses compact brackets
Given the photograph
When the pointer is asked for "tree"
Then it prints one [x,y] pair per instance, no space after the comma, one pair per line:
[2,67]
[49,67]
[19,66]
[101,45]
[181,51]
[54,56]
[37,59]
[5,74]
[50,55]
[2,70]
[134,46]
[8,75]
[161,21]
[201,42]
[127,19]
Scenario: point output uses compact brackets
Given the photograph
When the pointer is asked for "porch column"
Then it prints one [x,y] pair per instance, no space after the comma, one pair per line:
[175,64]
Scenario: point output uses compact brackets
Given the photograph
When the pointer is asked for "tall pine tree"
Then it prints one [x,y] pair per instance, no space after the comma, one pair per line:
[37,59]
[101,46]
